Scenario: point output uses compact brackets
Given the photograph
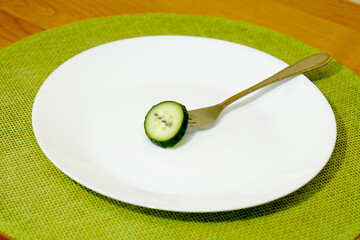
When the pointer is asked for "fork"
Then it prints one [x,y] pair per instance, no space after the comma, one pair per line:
[205,116]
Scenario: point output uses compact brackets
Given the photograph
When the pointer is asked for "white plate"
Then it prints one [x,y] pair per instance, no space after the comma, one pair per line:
[88,119]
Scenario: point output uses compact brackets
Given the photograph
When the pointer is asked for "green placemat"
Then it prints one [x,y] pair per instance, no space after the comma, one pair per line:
[39,202]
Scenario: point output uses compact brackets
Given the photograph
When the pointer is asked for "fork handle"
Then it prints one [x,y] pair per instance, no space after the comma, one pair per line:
[304,65]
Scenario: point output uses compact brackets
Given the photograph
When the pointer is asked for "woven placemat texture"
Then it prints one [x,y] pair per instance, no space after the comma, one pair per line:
[38,201]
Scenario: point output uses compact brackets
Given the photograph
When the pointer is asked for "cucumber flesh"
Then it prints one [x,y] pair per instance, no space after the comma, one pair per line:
[166,123]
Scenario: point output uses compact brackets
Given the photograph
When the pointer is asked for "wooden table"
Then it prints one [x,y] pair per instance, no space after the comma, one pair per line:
[328,25]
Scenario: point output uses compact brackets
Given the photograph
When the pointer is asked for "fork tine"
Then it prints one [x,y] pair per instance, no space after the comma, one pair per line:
[192,124]
[192,120]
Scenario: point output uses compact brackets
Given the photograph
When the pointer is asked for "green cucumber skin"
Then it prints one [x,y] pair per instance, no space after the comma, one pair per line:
[178,136]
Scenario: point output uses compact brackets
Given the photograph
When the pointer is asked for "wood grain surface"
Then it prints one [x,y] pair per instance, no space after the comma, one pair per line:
[328,25]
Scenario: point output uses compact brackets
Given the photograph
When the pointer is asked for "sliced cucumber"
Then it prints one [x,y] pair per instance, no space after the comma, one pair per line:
[166,123]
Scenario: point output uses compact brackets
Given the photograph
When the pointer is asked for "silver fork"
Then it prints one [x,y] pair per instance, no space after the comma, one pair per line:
[205,116]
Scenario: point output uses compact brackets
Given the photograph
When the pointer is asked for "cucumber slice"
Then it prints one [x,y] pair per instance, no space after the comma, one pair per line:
[166,123]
